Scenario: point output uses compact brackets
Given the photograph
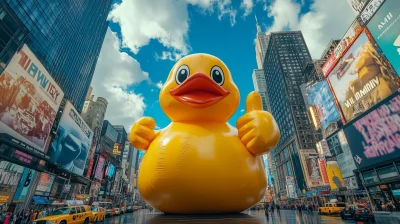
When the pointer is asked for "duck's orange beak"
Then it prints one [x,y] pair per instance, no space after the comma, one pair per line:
[199,91]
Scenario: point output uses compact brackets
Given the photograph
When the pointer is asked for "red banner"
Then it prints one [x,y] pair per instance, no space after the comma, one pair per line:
[90,168]
[324,174]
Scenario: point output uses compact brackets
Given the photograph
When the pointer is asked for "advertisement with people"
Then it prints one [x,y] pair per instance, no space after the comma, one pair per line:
[319,95]
[375,137]
[24,185]
[44,185]
[362,78]
[334,174]
[385,28]
[309,161]
[29,100]
[345,159]
[98,174]
[347,40]
[70,148]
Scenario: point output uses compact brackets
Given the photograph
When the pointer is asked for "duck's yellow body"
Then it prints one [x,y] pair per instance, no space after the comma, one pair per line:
[199,164]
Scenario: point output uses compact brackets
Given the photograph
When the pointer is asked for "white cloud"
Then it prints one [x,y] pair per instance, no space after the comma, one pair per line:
[247,6]
[115,71]
[159,84]
[326,19]
[165,21]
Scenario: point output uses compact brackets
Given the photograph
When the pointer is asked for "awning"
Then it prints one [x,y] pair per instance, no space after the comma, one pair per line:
[41,200]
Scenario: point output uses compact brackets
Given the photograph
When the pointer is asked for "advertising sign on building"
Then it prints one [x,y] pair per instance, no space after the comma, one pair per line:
[335,176]
[309,161]
[98,174]
[44,185]
[385,28]
[70,148]
[350,183]
[24,185]
[357,5]
[126,151]
[324,174]
[345,159]
[370,10]
[374,138]
[348,39]
[117,149]
[29,100]
[323,149]
[10,173]
[362,78]
[320,96]
[111,133]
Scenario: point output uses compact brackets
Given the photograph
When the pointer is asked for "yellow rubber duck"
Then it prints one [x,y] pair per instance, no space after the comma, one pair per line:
[199,164]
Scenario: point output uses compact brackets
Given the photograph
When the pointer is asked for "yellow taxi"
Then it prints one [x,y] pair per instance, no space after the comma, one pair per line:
[332,208]
[99,214]
[80,214]
[117,211]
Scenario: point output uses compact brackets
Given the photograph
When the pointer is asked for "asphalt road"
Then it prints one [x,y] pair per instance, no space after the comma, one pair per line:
[249,217]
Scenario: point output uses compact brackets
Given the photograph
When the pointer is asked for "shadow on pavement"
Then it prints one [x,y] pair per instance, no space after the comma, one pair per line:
[220,219]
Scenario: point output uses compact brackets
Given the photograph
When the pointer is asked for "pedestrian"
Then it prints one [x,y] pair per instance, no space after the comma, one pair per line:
[299,209]
[7,219]
[266,211]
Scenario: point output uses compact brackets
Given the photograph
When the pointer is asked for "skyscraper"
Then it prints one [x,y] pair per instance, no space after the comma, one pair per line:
[285,58]
[260,86]
[262,41]
[66,36]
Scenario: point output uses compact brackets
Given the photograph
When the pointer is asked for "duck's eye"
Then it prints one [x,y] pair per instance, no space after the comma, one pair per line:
[217,75]
[182,74]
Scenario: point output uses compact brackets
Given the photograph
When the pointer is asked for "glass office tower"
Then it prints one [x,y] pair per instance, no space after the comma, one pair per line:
[66,36]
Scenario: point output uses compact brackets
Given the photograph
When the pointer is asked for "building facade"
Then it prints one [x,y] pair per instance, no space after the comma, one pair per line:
[286,55]
[66,36]
[262,41]
[261,87]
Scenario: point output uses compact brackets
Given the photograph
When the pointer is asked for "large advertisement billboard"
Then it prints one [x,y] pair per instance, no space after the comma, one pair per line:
[334,174]
[375,137]
[70,148]
[98,174]
[324,174]
[44,185]
[362,78]
[357,5]
[323,149]
[385,28]
[345,159]
[24,185]
[370,10]
[319,95]
[350,36]
[29,100]
[309,161]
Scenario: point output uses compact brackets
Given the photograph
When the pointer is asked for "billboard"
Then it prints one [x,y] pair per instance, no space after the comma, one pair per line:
[70,147]
[323,149]
[111,133]
[324,174]
[24,185]
[375,137]
[347,40]
[117,149]
[345,159]
[356,5]
[44,185]
[29,100]
[309,161]
[98,174]
[370,10]
[335,176]
[319,95]
[385,28]
[362,78]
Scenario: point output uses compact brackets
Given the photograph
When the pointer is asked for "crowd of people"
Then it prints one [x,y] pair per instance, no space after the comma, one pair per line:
[26,216]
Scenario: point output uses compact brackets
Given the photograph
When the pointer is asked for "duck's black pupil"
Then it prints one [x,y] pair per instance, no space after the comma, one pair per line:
[217,76]
[182,75]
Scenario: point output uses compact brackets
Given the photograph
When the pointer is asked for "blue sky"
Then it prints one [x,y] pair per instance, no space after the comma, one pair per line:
[131,63]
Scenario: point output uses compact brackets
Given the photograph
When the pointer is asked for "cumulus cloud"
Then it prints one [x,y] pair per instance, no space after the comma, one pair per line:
[115,71]
[159,84]
[165,21]
[247,6]
[326,19]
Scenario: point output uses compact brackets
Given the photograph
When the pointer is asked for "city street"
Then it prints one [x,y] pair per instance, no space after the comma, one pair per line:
[249,217]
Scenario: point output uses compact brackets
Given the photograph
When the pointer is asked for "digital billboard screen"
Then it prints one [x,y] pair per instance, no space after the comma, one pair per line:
[320,96]
[29,100]
[309,160]
[362,78]
[375,137]
[70,148]
[385,28]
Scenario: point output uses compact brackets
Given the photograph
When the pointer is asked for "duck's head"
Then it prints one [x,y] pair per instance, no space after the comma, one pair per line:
[199,88]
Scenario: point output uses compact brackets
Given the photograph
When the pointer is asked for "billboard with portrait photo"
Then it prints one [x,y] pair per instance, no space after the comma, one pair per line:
[309,161]
[29,100]
[362,78]
[320,96]
[385,28]
[70,147]
[375,138]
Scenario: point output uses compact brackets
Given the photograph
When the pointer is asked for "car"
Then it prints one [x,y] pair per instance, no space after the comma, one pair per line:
[110,212]
[129,209]
[72,214]
[99,214]
[364,213]
[332,208]
[117,211]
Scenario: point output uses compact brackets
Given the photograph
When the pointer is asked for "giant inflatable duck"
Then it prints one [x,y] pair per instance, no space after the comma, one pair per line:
[199,164]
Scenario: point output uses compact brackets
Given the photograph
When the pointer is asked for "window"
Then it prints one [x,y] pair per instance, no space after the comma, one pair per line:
[387,172]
